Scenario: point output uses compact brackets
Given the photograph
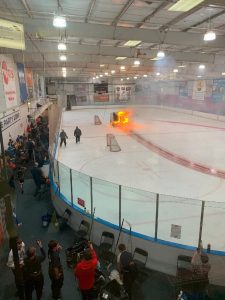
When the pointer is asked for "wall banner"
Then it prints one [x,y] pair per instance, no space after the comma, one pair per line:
[199,89]
[218,91]
[11,35]
[9,120]
[9,80]
[123,93]
[22,82]
[29,82]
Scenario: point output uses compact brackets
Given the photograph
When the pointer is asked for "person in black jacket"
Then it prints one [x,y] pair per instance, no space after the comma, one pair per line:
[77,134]
[63,137]
[127,268]
[55,269]
[33,275]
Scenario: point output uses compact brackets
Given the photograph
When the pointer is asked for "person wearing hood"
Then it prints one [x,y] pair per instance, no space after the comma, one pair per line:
[85,272]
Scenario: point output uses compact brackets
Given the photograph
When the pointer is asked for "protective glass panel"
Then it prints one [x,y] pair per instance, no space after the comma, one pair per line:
[138,208]
[179,220]
[55,172]
[64,182]
[213,225]
[81,190]
[106,200]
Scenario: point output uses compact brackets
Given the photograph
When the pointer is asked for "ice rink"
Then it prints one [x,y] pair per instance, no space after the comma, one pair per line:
[179,156]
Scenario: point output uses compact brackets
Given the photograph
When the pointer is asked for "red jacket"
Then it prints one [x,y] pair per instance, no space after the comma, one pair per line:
[85,272]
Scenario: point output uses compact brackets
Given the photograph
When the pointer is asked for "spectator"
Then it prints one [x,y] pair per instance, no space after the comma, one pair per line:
[18,274]
[55,269]
[127,268]
[196,261]
[38,178]
[30,148]
[85,272]
[77,134]
[20,176]
[63,137]
[33,276]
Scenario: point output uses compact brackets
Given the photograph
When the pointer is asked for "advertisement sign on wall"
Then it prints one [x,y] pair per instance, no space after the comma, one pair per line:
[218,92]
[199,89]
[9,120]
[123,93]
[11,35]
[41,86]
[22,82]
[101,92]
[183,89]
[29,82]
[9,80]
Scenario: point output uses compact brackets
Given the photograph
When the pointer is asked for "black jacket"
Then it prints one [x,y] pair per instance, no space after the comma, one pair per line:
[77,132]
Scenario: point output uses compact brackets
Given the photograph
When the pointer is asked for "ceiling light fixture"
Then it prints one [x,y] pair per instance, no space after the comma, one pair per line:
[128,78]
[63,69]
[63,57]
[181,66]
[175,70]
[100,75]
[132,43]
[201,67]
[145,75]
[223,73]
[160,54]
[157,74]
[106,73]
[113,71]
[122,68]
[135,77]
[137,62]
[59,21]
[121,57]
[184,5]
[101,66]
[121,79]
[97,77]
[210,35]
[62,47]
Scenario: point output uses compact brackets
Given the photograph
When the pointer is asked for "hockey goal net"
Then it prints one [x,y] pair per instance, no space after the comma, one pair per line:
[112,143]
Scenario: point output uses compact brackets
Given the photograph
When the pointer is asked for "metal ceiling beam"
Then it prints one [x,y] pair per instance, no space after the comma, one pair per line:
[91,53]
[205,20]
[101,32]
[27,8]
[181,17]
[90,10]
[122,12]
[151,15]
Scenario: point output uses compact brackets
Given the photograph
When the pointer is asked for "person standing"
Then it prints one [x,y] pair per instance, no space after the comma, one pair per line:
[34,279]
[20,176]
[77,134]
[30,148]
[55,269]
[85,272]
[18,274]
[63,137]
[127,268]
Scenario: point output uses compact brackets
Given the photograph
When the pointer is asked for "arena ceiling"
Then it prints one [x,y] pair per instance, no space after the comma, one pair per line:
[97,32]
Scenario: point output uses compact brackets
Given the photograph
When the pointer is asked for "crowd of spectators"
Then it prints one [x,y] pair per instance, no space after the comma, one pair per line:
[28,152]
